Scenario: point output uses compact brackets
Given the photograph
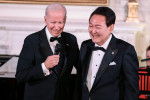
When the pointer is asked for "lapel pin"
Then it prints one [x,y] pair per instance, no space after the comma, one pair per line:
[113,53]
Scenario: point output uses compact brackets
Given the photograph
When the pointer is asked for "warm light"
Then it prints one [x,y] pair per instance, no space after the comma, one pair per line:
[133,12]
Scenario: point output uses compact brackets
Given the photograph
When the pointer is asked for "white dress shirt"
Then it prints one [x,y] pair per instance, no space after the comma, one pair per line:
[52,46]
[95,62]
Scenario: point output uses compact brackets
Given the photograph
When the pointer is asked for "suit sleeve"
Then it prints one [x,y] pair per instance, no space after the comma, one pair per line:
[130,68]
[27,69]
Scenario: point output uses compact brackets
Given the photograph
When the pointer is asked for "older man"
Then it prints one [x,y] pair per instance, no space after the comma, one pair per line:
[47,58]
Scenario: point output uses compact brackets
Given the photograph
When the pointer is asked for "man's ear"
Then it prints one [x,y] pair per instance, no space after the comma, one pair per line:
[45,19]
[111,27]
[65,19]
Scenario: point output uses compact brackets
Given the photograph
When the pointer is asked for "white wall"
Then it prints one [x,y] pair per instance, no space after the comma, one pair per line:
[19,20]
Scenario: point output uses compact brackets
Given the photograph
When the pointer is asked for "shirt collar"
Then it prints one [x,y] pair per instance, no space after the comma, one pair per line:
[105,45]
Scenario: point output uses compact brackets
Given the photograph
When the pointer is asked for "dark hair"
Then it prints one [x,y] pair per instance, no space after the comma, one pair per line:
[148,48]
[107,12]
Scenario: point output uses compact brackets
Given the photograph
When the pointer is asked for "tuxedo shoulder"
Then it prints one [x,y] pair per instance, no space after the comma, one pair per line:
[69,37]
[87,41]
[123,44]
[68,34]
[33,36]
[119,41]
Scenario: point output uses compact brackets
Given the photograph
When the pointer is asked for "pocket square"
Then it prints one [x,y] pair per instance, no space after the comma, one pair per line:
[112,63]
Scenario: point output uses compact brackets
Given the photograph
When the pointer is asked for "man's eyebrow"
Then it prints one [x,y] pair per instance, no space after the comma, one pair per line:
[96,24]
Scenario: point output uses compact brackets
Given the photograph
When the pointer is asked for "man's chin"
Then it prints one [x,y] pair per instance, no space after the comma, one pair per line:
[56,34]
[95,41]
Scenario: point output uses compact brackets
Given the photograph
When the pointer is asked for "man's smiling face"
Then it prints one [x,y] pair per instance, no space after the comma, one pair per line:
[99,32]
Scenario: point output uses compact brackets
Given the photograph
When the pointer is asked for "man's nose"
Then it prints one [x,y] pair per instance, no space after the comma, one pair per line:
[57,26]
[93,30]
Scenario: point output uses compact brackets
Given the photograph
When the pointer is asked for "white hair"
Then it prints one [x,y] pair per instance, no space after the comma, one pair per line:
[55,7]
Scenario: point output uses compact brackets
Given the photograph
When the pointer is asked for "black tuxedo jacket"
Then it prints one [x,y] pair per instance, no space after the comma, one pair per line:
[29,70]
[118,81]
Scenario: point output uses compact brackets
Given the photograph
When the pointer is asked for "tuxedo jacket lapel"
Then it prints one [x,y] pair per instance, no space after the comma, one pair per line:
[86,63]
[64,60]
[108,57]
[65,46]
[44,45]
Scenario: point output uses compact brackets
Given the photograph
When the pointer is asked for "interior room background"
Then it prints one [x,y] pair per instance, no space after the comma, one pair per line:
[17,20]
